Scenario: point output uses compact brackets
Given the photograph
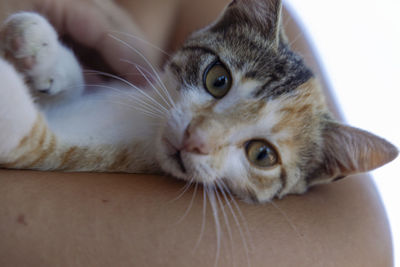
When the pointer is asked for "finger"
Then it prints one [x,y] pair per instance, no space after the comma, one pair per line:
[97,26]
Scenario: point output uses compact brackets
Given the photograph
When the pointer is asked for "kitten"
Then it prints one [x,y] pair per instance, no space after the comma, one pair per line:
[235,108]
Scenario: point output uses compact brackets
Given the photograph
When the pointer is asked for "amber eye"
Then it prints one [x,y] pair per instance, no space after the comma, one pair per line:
[261,154]
[217,80]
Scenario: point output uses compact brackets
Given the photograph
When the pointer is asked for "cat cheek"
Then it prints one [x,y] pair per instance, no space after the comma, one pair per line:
[218,160]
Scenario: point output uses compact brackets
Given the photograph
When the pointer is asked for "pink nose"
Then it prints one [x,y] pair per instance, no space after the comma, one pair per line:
[195,141]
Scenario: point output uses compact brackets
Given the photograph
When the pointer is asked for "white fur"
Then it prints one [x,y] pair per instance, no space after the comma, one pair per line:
[28,34]
[17,112]
[62,83]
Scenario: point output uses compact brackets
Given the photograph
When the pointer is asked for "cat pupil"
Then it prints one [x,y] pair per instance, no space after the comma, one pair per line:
[220,82]
[262,154]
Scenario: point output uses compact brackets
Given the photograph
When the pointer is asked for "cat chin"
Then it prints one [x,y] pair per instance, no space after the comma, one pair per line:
[185,167]
[189,168]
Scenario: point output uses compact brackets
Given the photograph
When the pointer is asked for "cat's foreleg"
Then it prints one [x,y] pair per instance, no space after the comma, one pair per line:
[26,141]
[30,44]
[17,111]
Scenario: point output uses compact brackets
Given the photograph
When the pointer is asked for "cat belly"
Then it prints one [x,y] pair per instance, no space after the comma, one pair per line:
[105,117]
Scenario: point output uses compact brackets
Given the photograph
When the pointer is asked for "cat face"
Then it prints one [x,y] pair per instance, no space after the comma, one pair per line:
[249,114]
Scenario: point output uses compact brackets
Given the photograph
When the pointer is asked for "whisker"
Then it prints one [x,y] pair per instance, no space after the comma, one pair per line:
[143,57]
[136,101]
[287,21]
[214,207]
[162,87]
[134,108]
[190,204]
[184,189]
[239,211]
[285,216]
[298,36]
[136,65]
[226,220]
[155,89]
[143,40]
[115,77]
[203,221]
[131,85]
[221,186]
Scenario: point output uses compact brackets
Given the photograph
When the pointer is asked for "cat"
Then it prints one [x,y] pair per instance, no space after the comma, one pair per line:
[235,108]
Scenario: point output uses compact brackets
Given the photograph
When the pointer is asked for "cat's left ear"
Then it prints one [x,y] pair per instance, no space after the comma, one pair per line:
[263,15]
[348,150]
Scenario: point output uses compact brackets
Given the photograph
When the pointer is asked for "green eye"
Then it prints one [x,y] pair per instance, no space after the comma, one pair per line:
[217,80]
[261,154]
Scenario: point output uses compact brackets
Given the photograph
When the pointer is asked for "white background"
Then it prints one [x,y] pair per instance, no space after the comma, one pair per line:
[359,45]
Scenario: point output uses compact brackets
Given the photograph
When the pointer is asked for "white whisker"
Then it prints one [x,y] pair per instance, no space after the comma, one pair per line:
[153,86]
[298,36]
[136,65]
[138,103]
[284,215]
[214,207]
[115,77]
[184,189]
[239,211]
[226,220]
[142,40]
[131,107]
[203,221]
[133,86]
[143,57]
[286,23]
[221,187]
[162,87]
[190,204]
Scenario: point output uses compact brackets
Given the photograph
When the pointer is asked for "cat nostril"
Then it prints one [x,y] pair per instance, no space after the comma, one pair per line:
[44,91]
[194,142]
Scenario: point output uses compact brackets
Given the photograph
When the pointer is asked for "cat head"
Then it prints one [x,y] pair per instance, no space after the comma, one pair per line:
[250,115]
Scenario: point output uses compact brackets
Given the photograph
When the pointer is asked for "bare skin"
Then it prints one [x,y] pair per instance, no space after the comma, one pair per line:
[64,219]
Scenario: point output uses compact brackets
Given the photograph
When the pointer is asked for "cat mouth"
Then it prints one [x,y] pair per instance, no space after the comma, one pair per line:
[177,157]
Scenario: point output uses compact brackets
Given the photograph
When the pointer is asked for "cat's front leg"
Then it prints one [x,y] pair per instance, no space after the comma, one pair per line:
[26,141]
[18,114]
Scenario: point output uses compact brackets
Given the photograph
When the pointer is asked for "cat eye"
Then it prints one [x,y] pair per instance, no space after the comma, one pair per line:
[217,80]
[261,154]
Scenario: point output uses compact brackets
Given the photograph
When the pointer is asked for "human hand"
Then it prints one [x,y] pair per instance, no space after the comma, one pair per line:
[97,26]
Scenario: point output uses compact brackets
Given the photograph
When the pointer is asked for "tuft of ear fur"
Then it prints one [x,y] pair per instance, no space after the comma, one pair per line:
[348,150]
[263,15]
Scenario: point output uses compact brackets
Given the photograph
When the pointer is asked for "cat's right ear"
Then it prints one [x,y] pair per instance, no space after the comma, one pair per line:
[263,15]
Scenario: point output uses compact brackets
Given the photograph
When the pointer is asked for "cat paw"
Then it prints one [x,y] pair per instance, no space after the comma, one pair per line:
[29,42]
[51,70]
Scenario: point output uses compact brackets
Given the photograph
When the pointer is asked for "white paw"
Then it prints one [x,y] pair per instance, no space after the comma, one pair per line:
[29,42]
